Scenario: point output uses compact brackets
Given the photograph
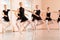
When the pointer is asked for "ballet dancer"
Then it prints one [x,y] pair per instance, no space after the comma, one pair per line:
[37,17]
[6,17]
[48,18]
[58,19]
[24,22]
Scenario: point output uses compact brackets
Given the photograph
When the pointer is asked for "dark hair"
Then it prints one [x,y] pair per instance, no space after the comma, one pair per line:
[36,5]
[48,7]
[59,10]
[20,2]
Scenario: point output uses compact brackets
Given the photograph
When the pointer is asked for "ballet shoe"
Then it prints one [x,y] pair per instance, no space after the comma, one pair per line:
[33,28]
[39,24]
[49,23]
[13,31]
[48,31]
[24,30]
[42,22]
[58,28]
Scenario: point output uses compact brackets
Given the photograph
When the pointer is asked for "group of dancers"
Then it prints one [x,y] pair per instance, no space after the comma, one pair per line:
[23,21]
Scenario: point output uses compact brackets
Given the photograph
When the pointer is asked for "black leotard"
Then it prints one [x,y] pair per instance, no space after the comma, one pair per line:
[21,14]
[48,16]
[35,17]
[58,19]
[6,18]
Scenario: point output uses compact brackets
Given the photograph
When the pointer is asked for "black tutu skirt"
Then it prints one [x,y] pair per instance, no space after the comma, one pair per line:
[23,19]
[6,19]
[49,19]
[36,18]
[18,18]
[58,20]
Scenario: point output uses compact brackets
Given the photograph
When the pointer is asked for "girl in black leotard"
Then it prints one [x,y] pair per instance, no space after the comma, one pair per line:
[48,17]
[59,19]
[21,16]
[37,18]
[6,17]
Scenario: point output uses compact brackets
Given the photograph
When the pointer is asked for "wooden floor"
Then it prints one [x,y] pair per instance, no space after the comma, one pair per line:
[32,35]
[40,34]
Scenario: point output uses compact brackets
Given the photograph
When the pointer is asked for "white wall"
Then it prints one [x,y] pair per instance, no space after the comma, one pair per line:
[54,7]
[53,4]
[0,17]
